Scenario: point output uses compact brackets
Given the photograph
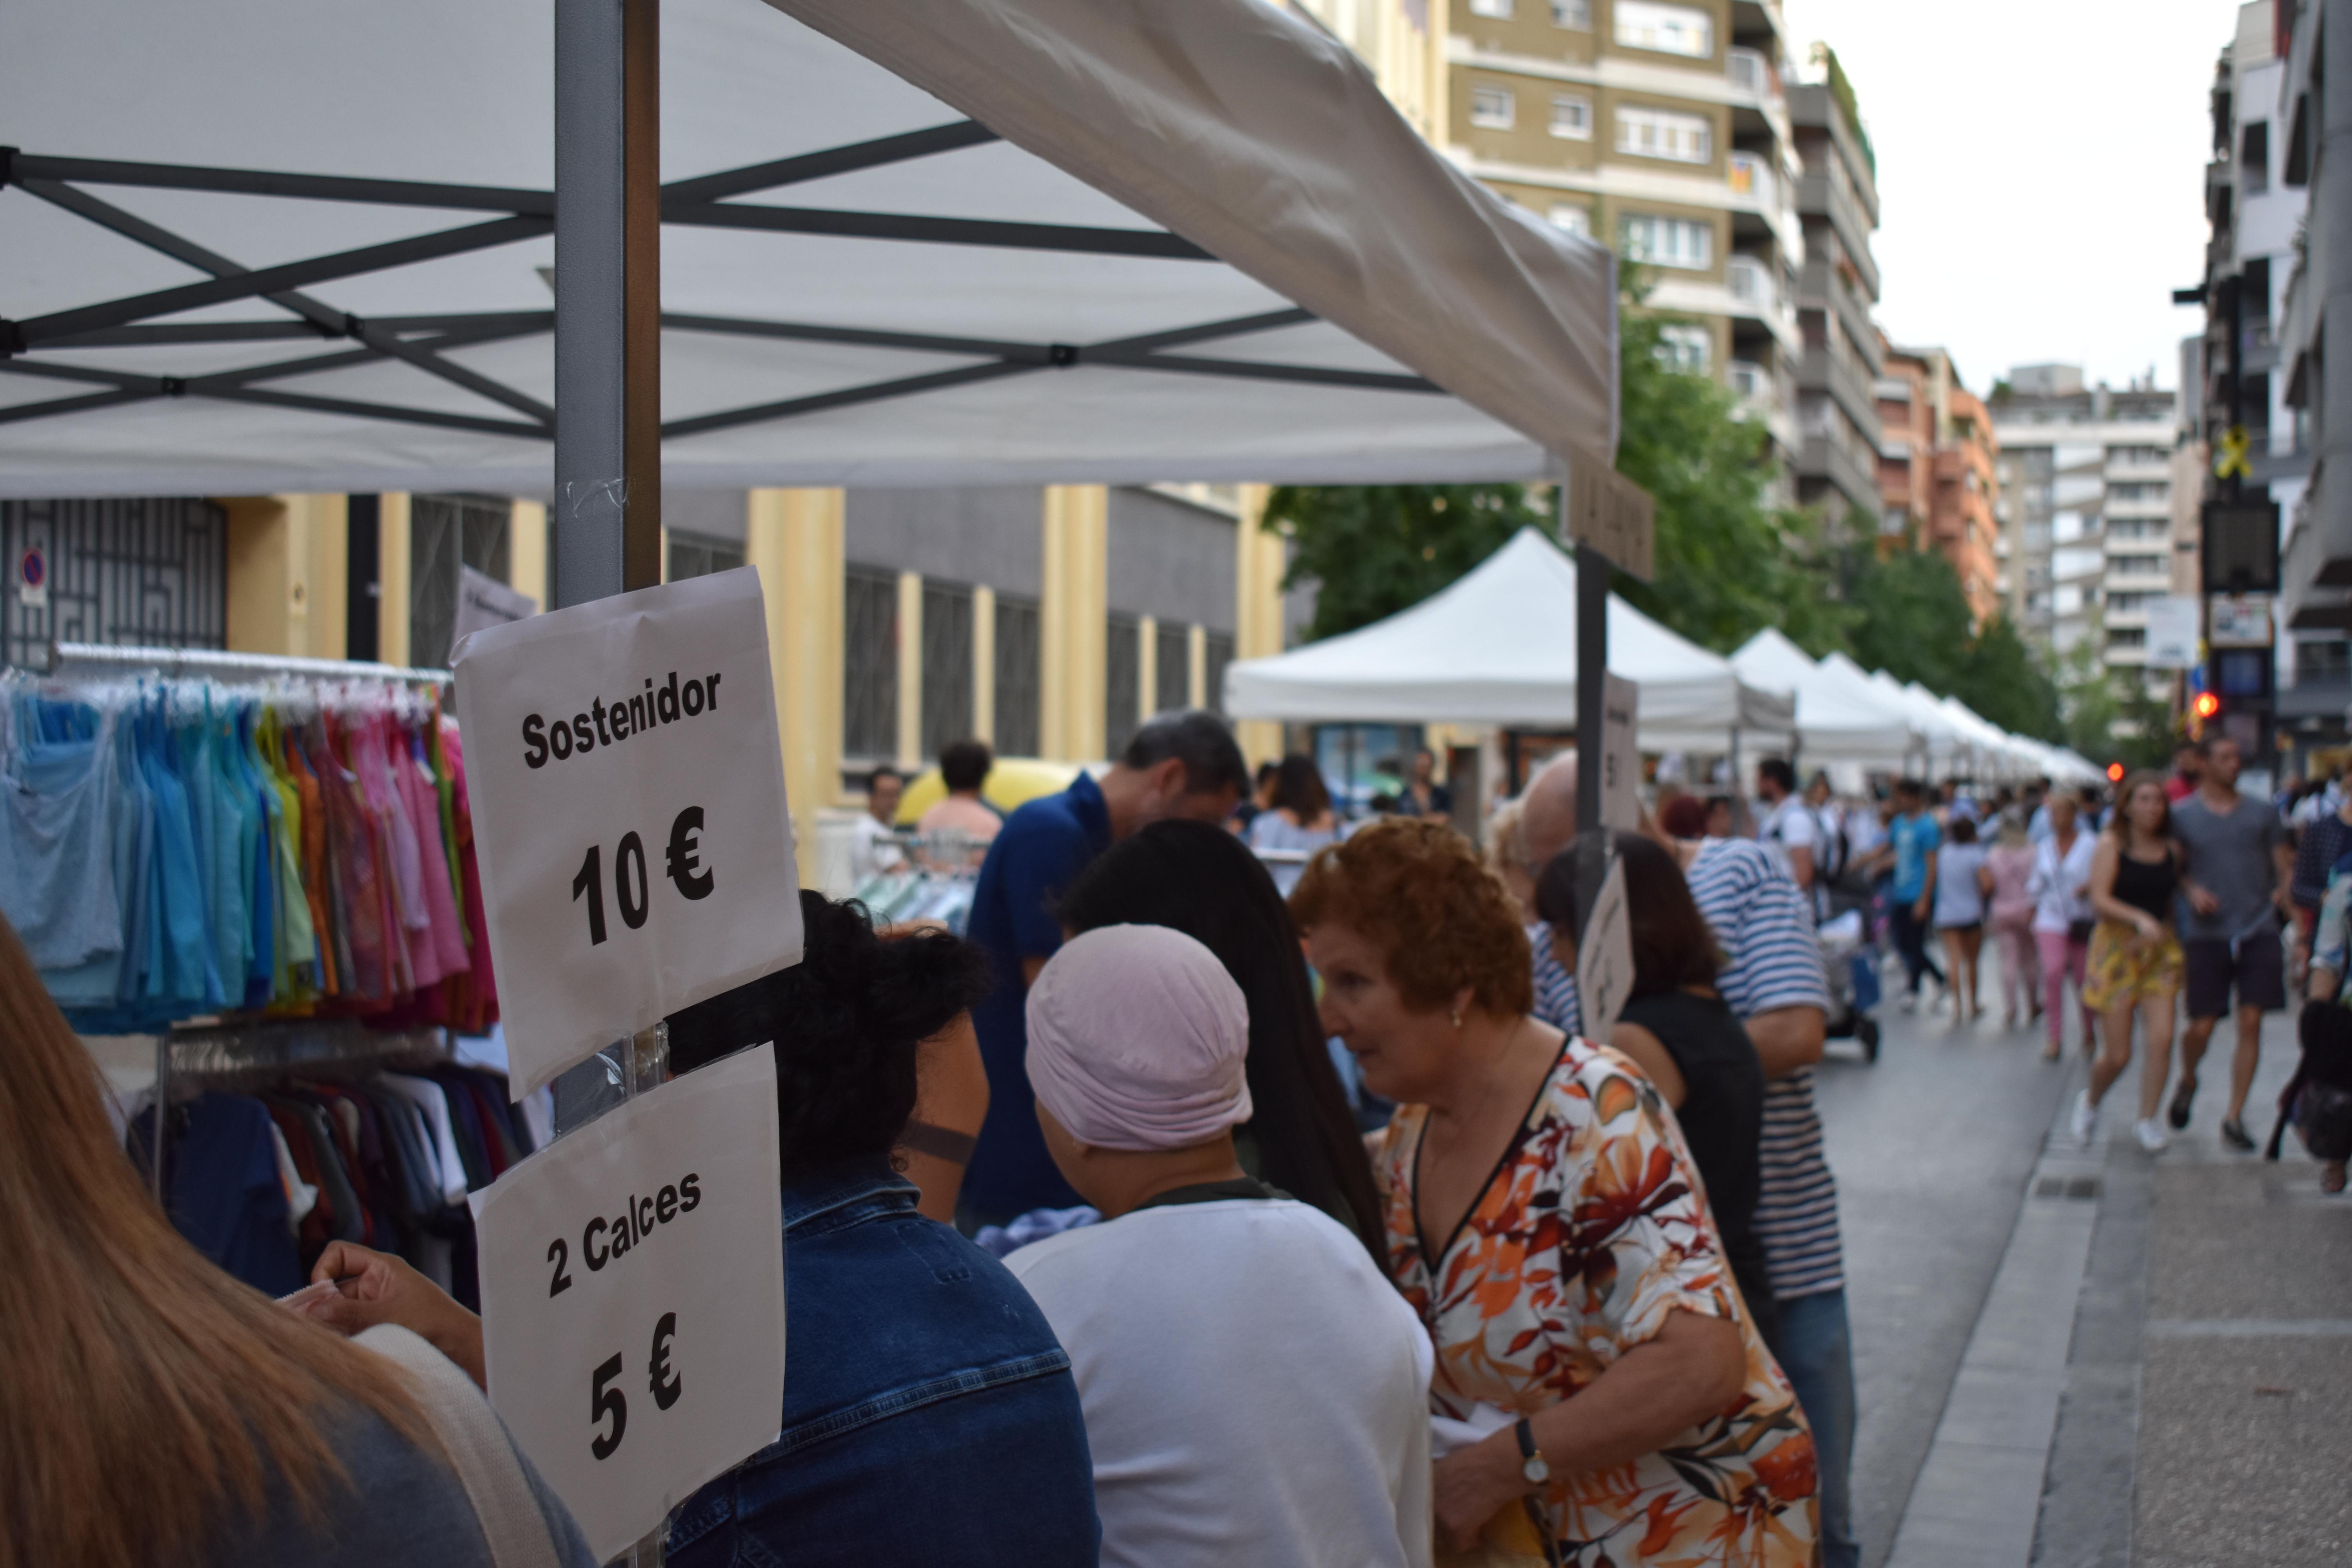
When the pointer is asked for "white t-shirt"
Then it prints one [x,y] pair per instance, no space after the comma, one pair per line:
[1255,1391]
[1790,825]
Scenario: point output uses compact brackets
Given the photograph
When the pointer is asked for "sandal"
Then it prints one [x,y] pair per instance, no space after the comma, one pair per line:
[2183,1096]
[2331,1177]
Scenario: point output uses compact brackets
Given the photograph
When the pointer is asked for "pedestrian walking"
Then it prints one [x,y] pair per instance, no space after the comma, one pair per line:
[2321,838]
[2187,772]
[2238,872]
[1912,840]
[1958,883]
[2008,915]
[1299,815]
[2063,917]
[1789,831]
[2134,960]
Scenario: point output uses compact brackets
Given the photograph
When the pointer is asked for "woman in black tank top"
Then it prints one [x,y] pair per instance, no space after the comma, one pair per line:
[1687,1042]
[2135,962]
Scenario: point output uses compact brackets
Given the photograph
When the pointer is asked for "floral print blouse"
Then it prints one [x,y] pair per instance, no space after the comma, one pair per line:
[1592,1229]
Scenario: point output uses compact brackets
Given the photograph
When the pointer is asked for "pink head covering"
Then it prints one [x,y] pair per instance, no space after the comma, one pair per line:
[1137,1037]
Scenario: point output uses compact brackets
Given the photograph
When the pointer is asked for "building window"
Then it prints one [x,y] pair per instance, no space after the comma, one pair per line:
[698,556]
[1122,681]
[138,572]
[1669,29]
[1220,654]
[1572,117]
[1573,218]
[1498,9]
[947,666]
[1016,677]
[1661,133]
[1171,668]
[1666,241]
[1686,347]
[1492,107]
[2254,158]
[1575,14]
[869,663]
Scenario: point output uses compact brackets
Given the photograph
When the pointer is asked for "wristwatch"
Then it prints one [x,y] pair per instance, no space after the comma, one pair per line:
[1534,1468]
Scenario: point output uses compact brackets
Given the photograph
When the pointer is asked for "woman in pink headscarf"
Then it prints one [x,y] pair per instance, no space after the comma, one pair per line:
[1254,1390]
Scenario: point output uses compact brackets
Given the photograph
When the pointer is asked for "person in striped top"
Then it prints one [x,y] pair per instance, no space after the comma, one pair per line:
[1773,979]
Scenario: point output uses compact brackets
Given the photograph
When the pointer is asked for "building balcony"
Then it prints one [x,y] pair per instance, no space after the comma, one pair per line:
[1819,196]
[1823,370]
[1827,459]
[1753,74]
[1820,287]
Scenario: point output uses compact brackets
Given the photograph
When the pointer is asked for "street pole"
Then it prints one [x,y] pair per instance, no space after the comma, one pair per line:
[1593,573]
[607,513]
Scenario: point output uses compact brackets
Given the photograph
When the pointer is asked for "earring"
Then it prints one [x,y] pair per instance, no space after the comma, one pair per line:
[1456,1015]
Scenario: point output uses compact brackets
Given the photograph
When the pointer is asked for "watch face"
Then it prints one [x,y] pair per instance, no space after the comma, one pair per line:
[1536,1469]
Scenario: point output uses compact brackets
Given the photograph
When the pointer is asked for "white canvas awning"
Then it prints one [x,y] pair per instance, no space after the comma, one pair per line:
[264,245]
[1836,721]
[1498,647]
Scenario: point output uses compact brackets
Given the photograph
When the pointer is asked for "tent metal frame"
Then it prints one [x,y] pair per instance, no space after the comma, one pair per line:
[422,341]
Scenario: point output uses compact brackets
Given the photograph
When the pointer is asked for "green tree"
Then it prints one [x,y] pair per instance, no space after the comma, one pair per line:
[1911,620]
[1373,550]
[2110,717]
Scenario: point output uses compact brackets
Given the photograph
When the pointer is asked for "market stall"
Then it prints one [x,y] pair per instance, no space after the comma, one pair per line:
[1498,647]
[1836,721]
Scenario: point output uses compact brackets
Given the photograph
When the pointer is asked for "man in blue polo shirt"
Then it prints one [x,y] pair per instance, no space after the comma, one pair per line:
[1180,764]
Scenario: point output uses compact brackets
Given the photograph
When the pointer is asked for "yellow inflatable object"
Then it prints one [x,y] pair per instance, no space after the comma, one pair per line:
[1012,782]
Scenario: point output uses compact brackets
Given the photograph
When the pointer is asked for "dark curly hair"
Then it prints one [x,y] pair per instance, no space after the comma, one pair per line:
[1420,892]
[846,1020]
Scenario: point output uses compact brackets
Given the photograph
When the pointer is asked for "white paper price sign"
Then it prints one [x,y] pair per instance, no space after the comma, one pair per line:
[628,800]
[633,1296]
[1621,758]
[1604,958]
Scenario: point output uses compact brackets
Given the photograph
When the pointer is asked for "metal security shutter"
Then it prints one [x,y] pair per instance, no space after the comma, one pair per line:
[698,556]
[1220,654]
[869,664]
[1171,674]
[1017,675]
[147,573]
[1122,683]
[446,532]
[947,666]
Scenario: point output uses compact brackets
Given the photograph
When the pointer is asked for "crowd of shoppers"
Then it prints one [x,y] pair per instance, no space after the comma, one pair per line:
[1571,1301]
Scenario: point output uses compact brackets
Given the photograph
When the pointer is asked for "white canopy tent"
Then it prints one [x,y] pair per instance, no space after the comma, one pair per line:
[1498,647]
[1836,721]
[303,245]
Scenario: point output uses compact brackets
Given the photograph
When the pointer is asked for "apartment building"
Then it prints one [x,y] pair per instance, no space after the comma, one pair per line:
[1939,472]
[2086,508]
[1665,132]
[2274,256]
[1837,406]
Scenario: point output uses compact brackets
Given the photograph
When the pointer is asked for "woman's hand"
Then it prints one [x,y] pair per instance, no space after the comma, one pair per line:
[2150,933]
[377,1288]
[1473,1485]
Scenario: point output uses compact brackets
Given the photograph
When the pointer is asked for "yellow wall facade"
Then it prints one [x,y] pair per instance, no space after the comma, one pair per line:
[794,538]
[286,575]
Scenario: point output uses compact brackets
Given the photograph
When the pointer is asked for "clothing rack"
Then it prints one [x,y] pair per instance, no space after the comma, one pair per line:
[272,1048]
[93,658]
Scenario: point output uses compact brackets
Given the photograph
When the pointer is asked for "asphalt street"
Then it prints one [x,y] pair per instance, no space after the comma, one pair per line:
[1932,1147]
[2084,1357]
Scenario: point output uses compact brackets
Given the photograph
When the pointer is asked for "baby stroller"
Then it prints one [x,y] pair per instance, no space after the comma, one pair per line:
[1851,963]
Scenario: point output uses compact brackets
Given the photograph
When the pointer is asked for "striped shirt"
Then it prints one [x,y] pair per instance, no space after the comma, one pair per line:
[1770,960]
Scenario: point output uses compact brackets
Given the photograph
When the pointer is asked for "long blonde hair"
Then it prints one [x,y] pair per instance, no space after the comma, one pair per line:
[149,1404]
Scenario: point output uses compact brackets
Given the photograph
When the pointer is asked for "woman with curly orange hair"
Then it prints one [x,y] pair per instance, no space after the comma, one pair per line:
[1546,1221]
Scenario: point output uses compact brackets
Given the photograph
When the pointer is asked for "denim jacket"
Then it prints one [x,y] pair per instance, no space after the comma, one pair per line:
[930,1413]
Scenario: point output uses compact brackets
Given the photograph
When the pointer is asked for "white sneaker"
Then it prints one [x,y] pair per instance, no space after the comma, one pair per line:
[1910,1002]
[2152,1135]
[2085,1119]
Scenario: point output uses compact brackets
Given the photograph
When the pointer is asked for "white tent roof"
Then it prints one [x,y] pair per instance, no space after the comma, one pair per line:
[1837,722]
[1498,647]
[935,242]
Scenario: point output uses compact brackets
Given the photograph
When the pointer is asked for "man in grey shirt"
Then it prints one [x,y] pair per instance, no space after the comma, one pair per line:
[2237,879]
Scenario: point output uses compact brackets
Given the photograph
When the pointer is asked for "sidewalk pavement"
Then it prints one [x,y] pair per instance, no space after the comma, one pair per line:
[2161,1374]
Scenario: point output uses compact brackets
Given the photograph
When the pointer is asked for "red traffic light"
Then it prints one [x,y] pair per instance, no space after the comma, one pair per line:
[2114,773]
[2207,704]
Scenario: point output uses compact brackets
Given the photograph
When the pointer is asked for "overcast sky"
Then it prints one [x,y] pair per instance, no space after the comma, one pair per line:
[2041,170]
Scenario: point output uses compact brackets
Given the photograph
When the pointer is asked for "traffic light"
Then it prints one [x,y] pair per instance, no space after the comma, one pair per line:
[2114,773]
[2208,705]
